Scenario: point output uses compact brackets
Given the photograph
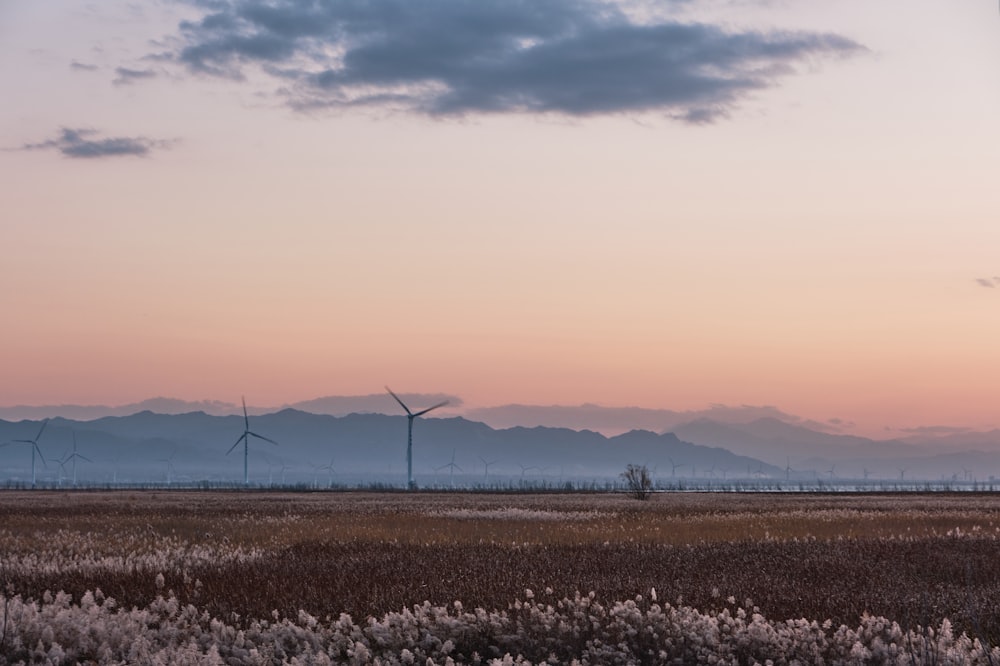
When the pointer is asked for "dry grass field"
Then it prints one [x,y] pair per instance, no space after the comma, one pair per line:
[239,557]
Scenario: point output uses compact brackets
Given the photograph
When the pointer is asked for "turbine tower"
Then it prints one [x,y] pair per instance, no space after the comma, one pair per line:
[453,466]
[34,449]
[76,456]
[409,434]
[245,438]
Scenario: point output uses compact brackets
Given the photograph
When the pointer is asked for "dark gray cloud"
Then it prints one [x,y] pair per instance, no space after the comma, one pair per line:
[82,66]
[125,76]
[455,57]
[989,283]
[84,143]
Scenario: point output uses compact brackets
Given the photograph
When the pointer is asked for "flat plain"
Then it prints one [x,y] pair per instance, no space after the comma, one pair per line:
[242,557]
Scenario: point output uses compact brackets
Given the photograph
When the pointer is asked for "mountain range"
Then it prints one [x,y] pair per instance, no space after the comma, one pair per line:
[356,448]
[365,437]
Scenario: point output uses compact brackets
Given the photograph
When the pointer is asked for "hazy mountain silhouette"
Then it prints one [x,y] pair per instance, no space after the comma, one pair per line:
[380,403]
[616,420]
[363,447]
[88,412]
[777,441]
[375,403]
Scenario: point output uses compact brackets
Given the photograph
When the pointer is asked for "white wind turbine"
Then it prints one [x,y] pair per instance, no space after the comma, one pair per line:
[453,466]
[674,467]
[76,456]
[34,449]
[245,438]
[487,464]
[329,468]
[170,466]
[410,416]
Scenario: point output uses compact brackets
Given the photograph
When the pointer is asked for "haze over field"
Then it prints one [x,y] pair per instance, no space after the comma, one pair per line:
[651,206]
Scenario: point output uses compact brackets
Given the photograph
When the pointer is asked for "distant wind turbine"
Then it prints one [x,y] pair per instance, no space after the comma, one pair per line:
[525,468]
[329,468]
[76,456]
[409,434]
[169,460]
[34,449]
[788,468]
[487,464]
[830,471]
[674,467]
[452,466]
[245,438]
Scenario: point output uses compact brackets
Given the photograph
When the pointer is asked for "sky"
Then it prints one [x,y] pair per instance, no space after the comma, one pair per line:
[656,203]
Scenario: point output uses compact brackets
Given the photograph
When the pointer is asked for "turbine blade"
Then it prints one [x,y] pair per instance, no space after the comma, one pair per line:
[81,457]
[401,403]
[242,437]
[458,468]
[22,441]
[246,419]
[424,411]
[40,454]
[266,439]
[42,429]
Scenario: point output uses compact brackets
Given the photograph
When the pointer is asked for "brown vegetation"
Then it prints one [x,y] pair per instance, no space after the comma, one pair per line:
[914,558]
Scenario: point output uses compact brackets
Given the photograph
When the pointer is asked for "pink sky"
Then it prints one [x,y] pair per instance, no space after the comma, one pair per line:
[817,247]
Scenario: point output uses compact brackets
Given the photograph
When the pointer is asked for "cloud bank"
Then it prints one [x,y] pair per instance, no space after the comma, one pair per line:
[85,144]
[461,57]
[125,76]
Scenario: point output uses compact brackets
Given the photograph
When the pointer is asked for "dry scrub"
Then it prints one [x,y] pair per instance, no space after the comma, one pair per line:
[920,560]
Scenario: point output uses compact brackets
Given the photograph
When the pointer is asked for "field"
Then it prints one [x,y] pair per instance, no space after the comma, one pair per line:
[230,577]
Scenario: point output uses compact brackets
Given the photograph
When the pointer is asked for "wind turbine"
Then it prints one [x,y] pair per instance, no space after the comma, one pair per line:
[245,438]
[74,456]
[34,449]
[170,466]
[674,467]
[453,466]
[788,468]
[487,464]
[329,468]
[409,434]
[830,471]
[525,468]
[62,468]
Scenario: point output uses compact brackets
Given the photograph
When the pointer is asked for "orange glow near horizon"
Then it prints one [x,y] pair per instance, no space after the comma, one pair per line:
[818,250]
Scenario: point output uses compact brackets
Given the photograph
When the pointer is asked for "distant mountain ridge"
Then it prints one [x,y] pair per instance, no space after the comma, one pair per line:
[361,447]
[767,436]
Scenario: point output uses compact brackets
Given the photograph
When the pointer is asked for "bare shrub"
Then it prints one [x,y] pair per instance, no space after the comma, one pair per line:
[638,481]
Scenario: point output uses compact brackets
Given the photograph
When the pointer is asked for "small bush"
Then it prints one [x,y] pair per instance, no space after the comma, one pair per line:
[640,484]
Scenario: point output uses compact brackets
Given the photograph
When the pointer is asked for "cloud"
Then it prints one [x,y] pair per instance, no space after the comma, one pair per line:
[989,283]
[82,67]
[459,57]
[125,76]
[82,143]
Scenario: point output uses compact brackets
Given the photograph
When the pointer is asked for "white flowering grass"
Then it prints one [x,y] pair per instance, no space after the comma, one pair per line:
[144,546]
[578,630]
